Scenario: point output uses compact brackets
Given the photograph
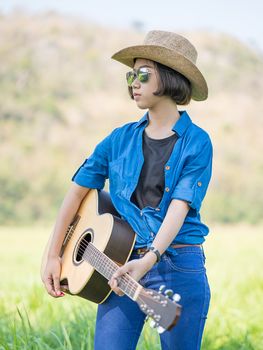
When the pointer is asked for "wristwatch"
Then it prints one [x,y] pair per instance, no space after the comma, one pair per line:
[156,252]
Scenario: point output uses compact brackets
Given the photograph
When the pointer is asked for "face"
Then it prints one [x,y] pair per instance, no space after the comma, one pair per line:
[145,98]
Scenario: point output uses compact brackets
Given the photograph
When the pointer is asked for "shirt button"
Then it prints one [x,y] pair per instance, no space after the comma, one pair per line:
[152,234]
[199,183]
[141,213]
[167,189]
[157,209]
[167,167]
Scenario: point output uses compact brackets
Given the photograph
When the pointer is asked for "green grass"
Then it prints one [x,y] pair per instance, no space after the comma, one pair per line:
[30,319]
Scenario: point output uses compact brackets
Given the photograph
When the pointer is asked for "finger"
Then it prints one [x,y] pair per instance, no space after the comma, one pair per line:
[48,283]
[113,283]
[114,286]
[120,294]
[55,294]
[118,291]
[57,285]
[120,272]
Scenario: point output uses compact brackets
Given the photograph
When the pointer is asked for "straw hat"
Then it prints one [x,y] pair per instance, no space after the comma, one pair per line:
[171,50]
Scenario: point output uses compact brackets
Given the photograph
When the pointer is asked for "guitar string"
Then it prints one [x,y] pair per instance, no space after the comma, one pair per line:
[131,284]
[113,267]
[108,263]
[128,288]
[139,298]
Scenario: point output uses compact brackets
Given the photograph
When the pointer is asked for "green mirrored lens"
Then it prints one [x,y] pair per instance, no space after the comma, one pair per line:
[143,76]
[130,77]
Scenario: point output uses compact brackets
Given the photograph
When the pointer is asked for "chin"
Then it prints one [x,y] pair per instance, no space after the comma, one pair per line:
[142,105]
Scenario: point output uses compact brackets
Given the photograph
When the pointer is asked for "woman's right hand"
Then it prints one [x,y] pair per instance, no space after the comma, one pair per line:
[68,210]
[51,277]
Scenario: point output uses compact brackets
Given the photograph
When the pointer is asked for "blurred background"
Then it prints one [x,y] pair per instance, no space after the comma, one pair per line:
[60,94]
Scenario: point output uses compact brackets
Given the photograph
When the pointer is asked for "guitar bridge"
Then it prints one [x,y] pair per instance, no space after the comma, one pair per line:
[69,233]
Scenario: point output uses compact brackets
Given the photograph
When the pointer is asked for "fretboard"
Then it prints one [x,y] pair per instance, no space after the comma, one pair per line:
[106,267]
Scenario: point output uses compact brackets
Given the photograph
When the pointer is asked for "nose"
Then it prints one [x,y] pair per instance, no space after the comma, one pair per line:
[136,83]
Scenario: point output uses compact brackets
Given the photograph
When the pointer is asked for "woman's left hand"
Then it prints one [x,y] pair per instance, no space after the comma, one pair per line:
[135,268]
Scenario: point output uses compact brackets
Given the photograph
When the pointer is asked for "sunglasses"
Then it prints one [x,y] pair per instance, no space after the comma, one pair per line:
[142,74]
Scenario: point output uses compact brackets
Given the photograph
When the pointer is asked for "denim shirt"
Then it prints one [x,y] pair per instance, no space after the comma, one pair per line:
[119,157]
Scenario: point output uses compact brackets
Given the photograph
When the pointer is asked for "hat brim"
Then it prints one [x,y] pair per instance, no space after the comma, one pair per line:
[168,58]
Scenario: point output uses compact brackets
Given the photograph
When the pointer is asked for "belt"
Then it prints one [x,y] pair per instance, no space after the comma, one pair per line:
[145,249]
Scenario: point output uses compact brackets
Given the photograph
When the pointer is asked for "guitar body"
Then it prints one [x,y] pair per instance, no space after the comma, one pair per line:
[97,222]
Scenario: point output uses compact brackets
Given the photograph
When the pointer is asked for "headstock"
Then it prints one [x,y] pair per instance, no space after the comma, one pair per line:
[163,311]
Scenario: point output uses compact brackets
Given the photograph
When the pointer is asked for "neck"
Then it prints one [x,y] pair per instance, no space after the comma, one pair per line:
[162,118]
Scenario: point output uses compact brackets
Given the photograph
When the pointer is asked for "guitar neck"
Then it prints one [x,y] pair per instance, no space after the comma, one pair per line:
[106,267]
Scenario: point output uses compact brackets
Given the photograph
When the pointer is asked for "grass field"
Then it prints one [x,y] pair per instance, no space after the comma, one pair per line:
[30,319]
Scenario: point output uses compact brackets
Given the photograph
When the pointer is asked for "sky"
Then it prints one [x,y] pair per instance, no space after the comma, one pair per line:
[240,18]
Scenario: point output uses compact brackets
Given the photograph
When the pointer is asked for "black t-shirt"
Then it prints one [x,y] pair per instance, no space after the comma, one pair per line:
[149,190]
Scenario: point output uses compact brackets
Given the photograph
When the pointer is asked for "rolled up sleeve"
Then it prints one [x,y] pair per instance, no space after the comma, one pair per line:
[195,177]
[94,171]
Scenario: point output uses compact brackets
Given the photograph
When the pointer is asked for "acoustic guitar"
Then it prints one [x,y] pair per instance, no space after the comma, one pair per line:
[96,243]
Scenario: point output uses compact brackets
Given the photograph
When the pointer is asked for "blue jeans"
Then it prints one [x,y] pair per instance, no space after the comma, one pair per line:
[120,321]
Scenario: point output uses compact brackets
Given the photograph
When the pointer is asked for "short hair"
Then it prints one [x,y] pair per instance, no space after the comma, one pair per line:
[171,83]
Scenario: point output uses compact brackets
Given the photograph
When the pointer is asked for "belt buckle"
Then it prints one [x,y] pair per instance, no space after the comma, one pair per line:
[140,251]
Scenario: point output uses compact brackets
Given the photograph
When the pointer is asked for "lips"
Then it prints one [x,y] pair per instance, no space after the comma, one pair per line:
[134,95]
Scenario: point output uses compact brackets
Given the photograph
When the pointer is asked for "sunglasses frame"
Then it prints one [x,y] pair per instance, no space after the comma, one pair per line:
[136,75]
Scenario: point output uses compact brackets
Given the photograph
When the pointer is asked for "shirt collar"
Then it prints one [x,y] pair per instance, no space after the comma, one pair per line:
[182,123]
[179,127]
[142,120]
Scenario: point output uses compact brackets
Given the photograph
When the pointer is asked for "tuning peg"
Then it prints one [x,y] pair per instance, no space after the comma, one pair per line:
[160,329]
[162,287]
[146,318]
[150,312]
[176,297]
[150,292]
[168,293]
[153,324]
[143,307]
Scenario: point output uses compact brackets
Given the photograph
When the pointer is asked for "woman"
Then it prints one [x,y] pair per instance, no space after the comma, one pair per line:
[159,169]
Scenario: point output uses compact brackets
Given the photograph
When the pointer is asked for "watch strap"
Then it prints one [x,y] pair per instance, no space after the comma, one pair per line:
[156,252]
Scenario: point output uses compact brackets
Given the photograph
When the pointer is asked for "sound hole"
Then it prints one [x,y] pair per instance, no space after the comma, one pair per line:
[83,243]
